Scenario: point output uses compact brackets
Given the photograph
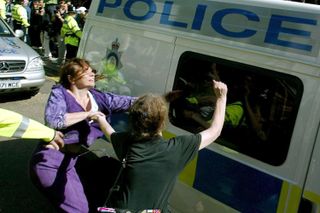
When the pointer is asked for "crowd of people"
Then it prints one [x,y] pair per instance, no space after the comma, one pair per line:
[52,27]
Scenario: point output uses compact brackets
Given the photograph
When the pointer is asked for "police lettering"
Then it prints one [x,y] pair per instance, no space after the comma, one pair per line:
[276,32]
[8,51]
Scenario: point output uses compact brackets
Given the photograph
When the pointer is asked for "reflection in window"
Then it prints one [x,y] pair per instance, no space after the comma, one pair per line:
[261,109]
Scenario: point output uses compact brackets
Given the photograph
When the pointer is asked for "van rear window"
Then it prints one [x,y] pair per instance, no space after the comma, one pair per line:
[261,109]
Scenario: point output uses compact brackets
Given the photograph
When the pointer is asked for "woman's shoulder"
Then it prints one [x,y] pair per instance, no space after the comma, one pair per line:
[101,94]
[120,135]
[188,138]
[58,89]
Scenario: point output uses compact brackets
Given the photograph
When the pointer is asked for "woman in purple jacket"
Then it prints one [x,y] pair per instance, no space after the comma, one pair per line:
[70,107]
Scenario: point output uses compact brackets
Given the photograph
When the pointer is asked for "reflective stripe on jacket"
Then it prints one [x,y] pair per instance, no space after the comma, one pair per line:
[19,14]
[70,31]
[3,9]
[15,125]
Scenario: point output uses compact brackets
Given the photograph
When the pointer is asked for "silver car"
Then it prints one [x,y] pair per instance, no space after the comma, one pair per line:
[21,68]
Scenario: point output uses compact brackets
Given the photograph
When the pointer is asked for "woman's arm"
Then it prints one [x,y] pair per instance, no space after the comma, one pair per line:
[213,132]
[104,125]
[75,117]
[56,109]
[56,115]
[119,103]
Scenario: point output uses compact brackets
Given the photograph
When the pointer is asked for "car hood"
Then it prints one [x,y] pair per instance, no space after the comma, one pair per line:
[13,47]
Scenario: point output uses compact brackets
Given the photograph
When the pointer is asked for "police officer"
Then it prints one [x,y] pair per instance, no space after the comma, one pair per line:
[71,33]
[15,125]
[20,16]
[3,9]
[9,6]
[50,7]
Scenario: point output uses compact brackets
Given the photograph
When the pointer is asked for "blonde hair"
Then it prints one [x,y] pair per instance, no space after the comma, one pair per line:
[148,116]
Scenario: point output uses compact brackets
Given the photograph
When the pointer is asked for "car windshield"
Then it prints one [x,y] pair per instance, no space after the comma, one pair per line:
[4,30]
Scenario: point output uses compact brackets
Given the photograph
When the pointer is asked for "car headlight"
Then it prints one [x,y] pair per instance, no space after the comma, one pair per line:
[35,64]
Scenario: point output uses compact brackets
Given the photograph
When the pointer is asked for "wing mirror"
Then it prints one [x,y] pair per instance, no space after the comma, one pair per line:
[19,33]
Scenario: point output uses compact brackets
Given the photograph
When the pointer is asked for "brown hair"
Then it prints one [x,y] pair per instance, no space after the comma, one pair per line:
[73,68]
[148,116]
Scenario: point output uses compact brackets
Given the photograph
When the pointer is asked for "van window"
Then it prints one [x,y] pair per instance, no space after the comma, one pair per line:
[261,109]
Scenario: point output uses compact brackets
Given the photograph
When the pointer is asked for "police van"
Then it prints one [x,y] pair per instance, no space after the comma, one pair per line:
[267,52]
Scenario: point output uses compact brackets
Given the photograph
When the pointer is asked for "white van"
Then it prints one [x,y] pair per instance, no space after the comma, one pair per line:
[268,156]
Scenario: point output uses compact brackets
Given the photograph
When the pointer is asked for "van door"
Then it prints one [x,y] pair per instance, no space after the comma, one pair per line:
[311,191]
[260,161]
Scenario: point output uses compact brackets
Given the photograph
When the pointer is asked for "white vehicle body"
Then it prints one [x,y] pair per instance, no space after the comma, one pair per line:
[152,45]
[21,68]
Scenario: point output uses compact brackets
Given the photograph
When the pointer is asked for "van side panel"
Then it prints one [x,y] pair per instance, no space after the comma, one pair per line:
[142,59]
[137,46]
[293,31]
[312,186]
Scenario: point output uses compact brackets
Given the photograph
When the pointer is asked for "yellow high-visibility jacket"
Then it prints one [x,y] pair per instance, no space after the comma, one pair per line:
[234,116]
[3,9]
[15,125]
[70,31]
[19,14]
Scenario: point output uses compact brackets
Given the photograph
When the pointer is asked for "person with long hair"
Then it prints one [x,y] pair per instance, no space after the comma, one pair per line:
[152,162]
[70,107]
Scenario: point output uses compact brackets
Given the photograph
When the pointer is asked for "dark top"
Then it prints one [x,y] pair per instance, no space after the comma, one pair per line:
[152,169]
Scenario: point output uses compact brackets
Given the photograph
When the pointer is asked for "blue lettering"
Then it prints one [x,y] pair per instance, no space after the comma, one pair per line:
[8,51]
[275,28]
[216,22]
[199,16]
[104,4]
[165,16]
[149,14]
[294,32]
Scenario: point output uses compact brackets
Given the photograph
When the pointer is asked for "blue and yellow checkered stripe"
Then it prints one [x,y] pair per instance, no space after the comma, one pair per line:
[241,187]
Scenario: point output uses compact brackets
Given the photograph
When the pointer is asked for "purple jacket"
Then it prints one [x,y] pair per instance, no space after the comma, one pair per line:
[61,102]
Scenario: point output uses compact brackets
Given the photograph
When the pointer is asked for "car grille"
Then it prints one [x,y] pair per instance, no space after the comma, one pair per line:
[12,66]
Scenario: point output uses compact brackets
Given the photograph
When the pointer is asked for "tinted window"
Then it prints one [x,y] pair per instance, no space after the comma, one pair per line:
[261,110]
